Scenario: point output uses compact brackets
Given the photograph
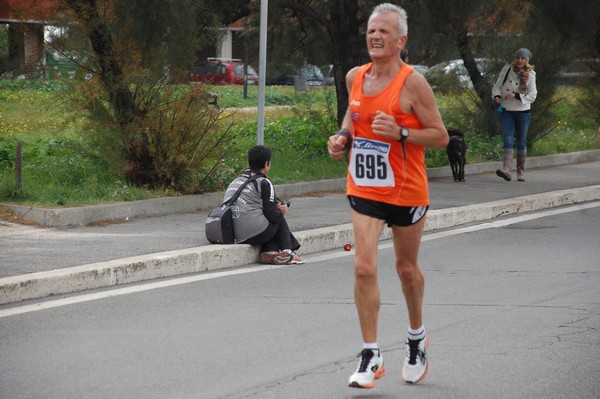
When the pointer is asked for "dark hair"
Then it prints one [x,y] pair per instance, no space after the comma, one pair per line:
[258,156]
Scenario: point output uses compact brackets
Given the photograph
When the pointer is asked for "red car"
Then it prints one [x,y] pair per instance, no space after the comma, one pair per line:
[221,71]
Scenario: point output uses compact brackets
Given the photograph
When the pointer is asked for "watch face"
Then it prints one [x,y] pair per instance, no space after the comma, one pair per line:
[403,133]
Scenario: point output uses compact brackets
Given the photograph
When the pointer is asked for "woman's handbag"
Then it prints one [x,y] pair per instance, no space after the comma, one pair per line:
[219,222]
[499,106]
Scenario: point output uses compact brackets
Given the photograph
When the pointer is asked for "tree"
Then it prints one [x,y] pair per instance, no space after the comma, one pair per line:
[344,22]
[564,31]
[110,69]
[560,30]
[430,21]
[136,47]
[557,32]
[139,44]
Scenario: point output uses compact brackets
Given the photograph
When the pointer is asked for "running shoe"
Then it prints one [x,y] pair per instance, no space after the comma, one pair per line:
[369,369]
[296,259]
[275,258]
[416,364]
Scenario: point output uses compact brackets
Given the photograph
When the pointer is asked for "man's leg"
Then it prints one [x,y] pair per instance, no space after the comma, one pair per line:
[366,296]
[367,231]
[285,238]
[269,247]
[407,241]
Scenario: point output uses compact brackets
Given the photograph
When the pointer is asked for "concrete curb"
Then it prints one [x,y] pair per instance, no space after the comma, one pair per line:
[61,217]
[216,257]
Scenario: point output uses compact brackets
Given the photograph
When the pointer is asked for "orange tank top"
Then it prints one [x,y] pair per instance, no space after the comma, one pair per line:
[378,169]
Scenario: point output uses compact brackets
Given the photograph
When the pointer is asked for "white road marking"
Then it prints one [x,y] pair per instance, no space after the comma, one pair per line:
[54,303]
[110,293]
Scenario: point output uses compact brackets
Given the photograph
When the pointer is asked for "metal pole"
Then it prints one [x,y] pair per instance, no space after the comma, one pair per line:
[245,67]
[18,158]
[262,67]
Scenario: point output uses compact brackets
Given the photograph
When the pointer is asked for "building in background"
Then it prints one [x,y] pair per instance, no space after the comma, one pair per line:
[26,20]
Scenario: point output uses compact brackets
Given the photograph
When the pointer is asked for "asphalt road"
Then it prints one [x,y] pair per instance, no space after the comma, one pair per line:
[512,308]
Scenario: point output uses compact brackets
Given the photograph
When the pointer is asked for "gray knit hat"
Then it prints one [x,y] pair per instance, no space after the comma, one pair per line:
[523,52]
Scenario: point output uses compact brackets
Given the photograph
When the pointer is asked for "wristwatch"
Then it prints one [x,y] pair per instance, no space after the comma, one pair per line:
[403,134]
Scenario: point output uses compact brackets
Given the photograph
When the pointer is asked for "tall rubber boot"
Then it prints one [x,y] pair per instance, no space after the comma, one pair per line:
[520,165]
[506,165]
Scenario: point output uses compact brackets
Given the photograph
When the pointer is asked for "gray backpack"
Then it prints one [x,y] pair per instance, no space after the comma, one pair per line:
[219,222]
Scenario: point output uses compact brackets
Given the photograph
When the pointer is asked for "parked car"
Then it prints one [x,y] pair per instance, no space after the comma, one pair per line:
[328,78]
[579,71]
[422,69]
[454,73]
[221,71]
[312,74]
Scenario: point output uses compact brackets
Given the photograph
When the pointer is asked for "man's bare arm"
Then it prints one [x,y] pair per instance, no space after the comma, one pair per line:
[417,98]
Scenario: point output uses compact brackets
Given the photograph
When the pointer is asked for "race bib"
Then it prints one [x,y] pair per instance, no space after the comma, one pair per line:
[369,163]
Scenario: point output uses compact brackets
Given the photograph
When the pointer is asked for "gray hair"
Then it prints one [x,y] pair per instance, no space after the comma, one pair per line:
[402,18]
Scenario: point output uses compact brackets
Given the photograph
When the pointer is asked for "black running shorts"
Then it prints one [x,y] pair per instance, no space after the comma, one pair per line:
[392,214]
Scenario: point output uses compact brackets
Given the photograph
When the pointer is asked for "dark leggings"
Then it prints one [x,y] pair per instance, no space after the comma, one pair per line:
[276,237]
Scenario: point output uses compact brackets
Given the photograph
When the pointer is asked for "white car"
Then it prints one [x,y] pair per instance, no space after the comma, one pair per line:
[456,68]
[422,69]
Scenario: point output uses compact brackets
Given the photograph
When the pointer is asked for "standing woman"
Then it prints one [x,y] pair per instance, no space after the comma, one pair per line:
[515,90]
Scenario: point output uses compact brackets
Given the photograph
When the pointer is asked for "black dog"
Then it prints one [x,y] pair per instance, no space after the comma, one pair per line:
[457,154]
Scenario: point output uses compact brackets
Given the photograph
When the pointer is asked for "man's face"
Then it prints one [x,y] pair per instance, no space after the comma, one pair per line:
[382,36]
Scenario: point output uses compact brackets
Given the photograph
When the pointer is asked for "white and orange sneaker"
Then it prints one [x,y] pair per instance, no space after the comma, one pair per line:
[416,365]
[369,369]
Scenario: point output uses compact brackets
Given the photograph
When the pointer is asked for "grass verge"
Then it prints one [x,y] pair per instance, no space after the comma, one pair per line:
[57,172]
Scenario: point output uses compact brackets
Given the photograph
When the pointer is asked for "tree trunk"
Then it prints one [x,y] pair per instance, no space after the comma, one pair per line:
[138,159]
[110,71]
[343,28]
[344,32]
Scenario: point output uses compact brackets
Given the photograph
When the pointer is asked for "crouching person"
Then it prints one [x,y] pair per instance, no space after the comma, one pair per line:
[259,216]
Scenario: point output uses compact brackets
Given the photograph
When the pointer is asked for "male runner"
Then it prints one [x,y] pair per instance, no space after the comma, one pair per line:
[392,116]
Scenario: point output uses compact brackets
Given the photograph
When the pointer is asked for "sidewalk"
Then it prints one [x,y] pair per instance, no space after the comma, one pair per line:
[165,237]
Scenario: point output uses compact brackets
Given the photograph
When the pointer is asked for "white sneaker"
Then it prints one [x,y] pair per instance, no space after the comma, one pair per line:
[296,259]
[416,364]
[370,368]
